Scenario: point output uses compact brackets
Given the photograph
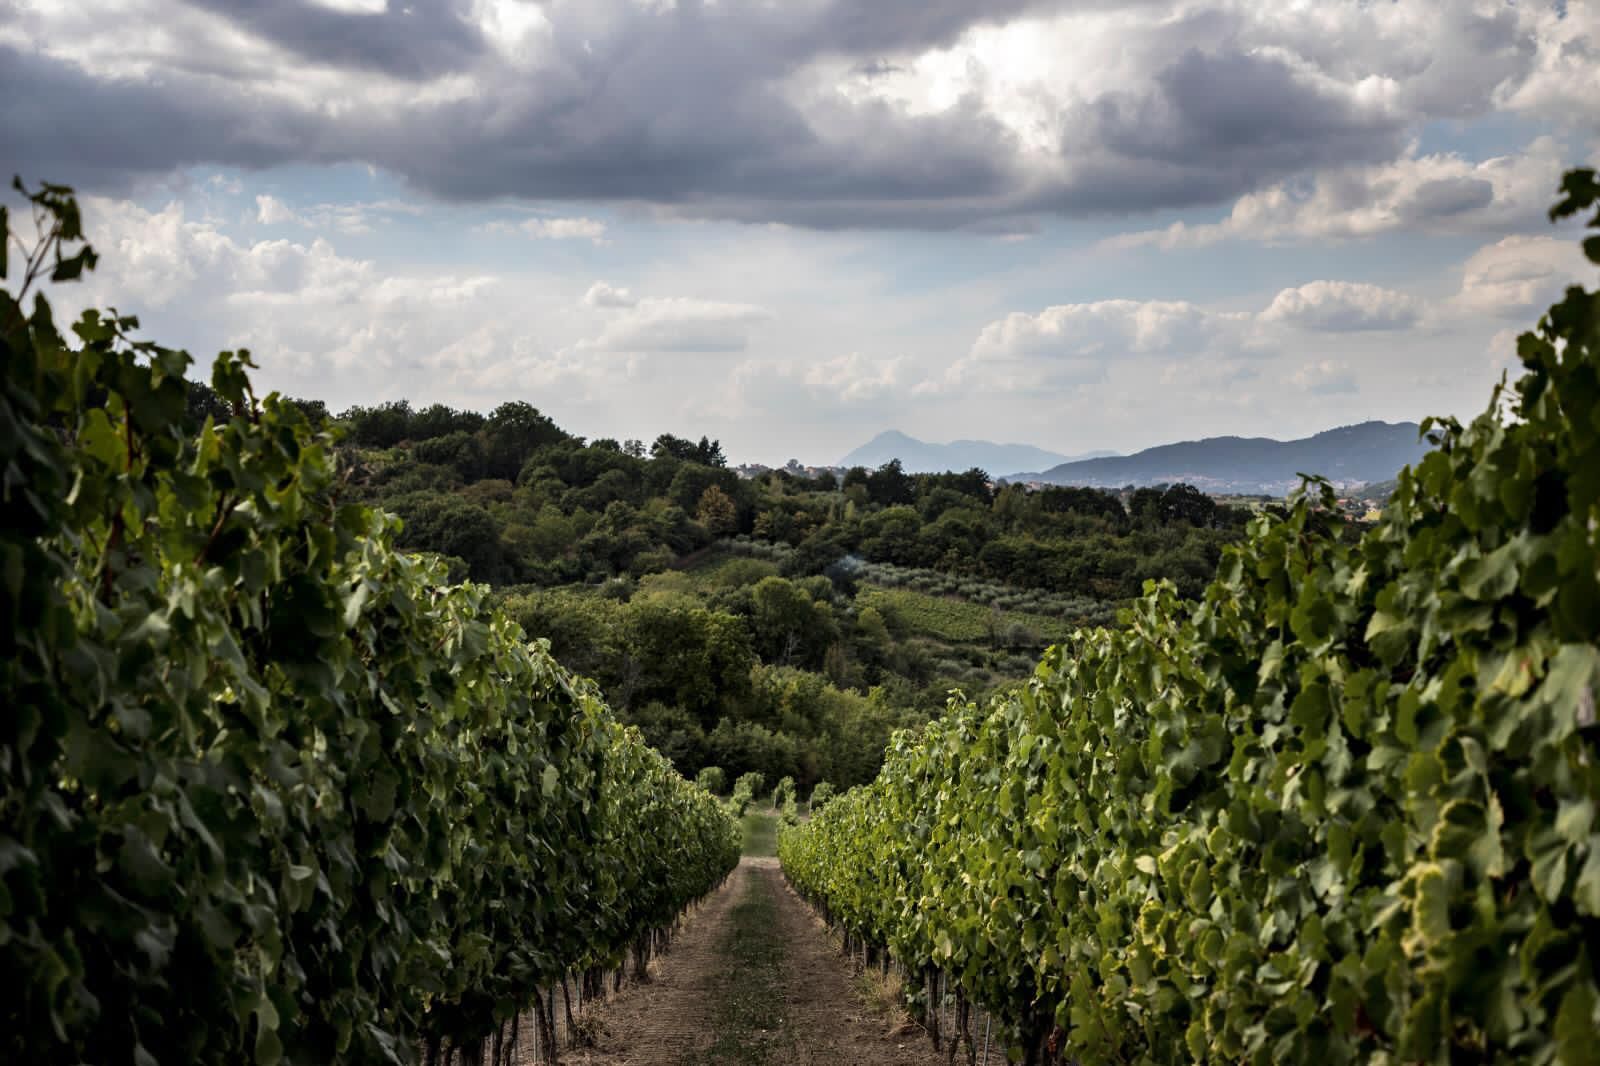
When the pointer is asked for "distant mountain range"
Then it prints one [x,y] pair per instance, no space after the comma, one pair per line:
[1368,452]
[923,457]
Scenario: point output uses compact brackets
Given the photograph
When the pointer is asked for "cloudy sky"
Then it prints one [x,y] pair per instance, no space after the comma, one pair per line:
[793,223]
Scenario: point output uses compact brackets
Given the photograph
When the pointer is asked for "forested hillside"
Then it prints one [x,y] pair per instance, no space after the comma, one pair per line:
[782,625]
[516,499]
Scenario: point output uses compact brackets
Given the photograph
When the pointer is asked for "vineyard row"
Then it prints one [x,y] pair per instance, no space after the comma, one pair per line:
[1342,809]
[271,790]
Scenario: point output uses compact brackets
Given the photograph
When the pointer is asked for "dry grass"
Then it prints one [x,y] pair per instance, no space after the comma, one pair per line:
[885,993]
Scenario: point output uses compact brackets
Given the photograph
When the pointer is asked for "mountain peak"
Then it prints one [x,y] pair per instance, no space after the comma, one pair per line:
[924,457]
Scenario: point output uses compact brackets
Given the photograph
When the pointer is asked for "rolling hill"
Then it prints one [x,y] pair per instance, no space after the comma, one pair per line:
[1367,452]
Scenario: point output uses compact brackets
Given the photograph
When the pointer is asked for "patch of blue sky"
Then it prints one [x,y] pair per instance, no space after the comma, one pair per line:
[1482,136]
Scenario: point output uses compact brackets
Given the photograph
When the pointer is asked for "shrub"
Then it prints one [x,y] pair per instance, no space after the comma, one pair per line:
[783,792]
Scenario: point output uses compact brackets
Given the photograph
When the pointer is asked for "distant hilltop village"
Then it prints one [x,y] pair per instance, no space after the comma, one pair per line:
[794,468]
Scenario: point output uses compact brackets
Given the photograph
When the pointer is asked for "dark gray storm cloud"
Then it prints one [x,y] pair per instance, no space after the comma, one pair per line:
[697,110]
[682,109]
[60,123]
[1212,126]
[1444,197]
[413,39]
[853,27]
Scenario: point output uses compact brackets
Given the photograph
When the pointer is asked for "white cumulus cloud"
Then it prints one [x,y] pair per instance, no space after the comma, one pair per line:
[271,211]
[1074,344]
[1518,276]
[565,229]
[553,229]
[675,324]
[603,294]
[855,378]
[1325,377]
[1342,307]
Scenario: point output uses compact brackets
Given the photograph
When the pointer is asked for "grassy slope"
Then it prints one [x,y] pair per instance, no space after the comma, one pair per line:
[709,572]
[957,621]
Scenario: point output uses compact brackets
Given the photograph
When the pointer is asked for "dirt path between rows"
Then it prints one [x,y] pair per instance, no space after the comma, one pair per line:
[753,979]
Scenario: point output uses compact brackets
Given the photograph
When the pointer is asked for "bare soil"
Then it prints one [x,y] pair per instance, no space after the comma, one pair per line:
[753,979]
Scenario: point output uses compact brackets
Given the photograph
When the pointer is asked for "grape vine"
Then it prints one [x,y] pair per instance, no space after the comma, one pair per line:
[1341,809]
[271,789]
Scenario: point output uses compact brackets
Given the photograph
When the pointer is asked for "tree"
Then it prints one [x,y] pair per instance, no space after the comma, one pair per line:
[690,481]
[789,626]
[516,430]
[673,732]
[437,420]
[1085,501]
[973,482]
[460,450]
[892,536]
[707,453]
[382,426]
[451,525]
[1010,504]
[1144,505]
[585,632]
[1185,503]
[668,446]
[204,402]
[890,484]
[316,411]
[870,641]
[684,656]
[717,512]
